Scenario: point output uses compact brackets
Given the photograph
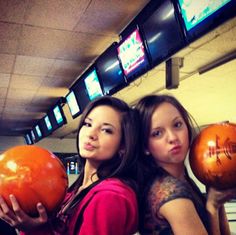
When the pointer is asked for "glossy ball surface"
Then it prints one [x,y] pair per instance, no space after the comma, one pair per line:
[213,156]
[32,174]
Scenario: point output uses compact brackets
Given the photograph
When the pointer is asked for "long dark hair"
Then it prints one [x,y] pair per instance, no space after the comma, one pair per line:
[149,169]
[122,165]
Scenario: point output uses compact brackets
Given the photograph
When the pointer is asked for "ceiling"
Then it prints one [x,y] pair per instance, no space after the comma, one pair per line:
[46,45]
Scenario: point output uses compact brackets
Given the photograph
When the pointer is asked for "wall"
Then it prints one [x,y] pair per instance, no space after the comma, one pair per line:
[52,144]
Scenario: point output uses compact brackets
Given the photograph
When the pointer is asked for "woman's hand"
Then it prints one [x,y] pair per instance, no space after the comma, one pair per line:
[18,219]
[216,198]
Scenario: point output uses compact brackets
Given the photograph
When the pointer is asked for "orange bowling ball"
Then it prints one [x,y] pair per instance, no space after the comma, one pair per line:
[212,156]
[33,175]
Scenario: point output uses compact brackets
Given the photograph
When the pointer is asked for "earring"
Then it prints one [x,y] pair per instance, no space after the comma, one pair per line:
[147,152]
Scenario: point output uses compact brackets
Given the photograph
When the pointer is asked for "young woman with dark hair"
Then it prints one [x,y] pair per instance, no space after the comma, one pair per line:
[172,202]
[102,201]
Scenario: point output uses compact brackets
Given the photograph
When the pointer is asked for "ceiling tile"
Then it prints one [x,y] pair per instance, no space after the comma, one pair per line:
[32,65]
[108,17]
[20,109]
[17,102]
[43,42]
[68,69]
[9,36]
[85,47]
[37,108]
[2,102]
[3,92]
[127,6]
[44,100]
[50,13]
[93,22]
[26,82]
[4,79]
[57,82]
[13,10]
[23,94]
[25,116]
[6,63]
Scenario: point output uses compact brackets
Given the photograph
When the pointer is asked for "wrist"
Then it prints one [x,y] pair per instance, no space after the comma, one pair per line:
[212,208]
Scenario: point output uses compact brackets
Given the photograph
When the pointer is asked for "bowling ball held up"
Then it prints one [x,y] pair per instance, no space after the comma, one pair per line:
[212,156]
[32,174]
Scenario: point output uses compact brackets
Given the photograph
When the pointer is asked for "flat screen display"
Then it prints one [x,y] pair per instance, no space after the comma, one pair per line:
[38,131]
[110,71]
[132,54]
[32,135]
[163,33]
[92,85]
[58,115]
[81,93]
[48,123]
[201,17]
[195,12]
[28,139]
[53,121]
[73,104]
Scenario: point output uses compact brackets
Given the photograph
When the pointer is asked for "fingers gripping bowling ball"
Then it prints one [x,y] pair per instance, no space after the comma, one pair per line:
[213,156]
[33,175]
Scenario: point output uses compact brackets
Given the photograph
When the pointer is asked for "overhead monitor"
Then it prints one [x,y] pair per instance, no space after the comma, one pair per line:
[92,84]
[201,17]
[58,115]
[132,54]
[81,93]
[110,71]
[163,33]
[48,123]
[33,136]
[28,139]
[38,131]
[73,104]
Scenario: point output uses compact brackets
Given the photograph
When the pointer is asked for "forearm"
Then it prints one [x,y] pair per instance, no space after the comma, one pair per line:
[214,220]
[218,221]
[224,224]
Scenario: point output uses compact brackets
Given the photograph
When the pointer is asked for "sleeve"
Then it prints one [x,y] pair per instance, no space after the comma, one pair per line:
[166,189]
[110,213]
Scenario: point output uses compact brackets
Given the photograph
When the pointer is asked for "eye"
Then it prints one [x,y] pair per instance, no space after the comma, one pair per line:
[107,130]
[178,124]
[87,124]
[156,133]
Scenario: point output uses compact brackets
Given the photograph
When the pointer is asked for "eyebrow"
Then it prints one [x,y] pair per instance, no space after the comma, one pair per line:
[108,124]
[104,123]
[178,117]
[175,119]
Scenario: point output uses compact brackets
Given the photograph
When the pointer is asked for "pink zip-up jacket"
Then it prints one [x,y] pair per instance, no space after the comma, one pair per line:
[109,208]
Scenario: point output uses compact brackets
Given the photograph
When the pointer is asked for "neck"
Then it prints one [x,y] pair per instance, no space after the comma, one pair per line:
[176,170]
[90,175]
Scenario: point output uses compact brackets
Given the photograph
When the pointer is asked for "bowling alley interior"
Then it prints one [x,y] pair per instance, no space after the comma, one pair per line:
[57,56]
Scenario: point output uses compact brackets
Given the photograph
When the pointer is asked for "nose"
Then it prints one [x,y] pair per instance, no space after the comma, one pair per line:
[172,137]
[92,134]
